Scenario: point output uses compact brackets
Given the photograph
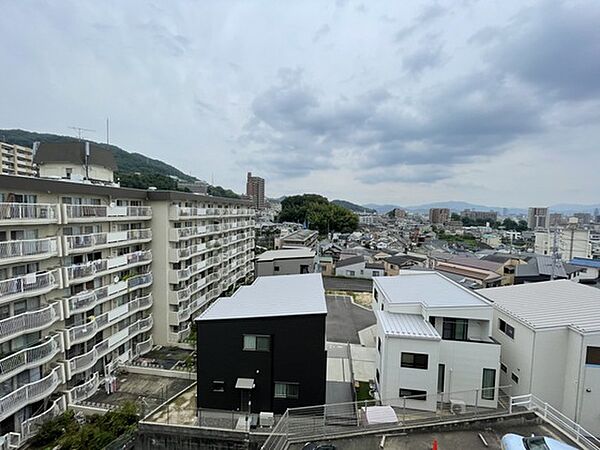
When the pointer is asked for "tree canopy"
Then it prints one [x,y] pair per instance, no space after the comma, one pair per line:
[318,214]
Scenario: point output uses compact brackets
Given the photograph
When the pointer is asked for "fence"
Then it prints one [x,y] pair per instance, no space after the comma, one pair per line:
[314,422]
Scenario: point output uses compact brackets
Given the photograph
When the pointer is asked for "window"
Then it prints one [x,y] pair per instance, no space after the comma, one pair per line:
[506,328]
[375,273]
[414,360]
[376,294]
[441,377]
[503,368]
[256,343]
[488,384]
[432,320]
[514,378]
[592,356]
[350,273]
[275,268]
[303,268]
[455,329]
[218,386]
[286,390]
[69,171]
[377,375]
[379,345]
[413,393]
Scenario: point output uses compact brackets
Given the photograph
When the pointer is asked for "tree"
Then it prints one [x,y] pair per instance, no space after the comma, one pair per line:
[316,211]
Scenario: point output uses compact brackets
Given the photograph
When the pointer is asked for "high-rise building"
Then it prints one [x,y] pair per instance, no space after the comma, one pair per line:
[17,160]
[93,275]
[491,216]
[538,218]
[439,215]
[255,189]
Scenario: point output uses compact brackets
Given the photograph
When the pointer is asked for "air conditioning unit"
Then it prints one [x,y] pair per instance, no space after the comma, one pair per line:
[266,419]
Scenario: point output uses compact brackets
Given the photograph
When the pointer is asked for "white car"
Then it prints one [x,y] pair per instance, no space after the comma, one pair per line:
[515,442]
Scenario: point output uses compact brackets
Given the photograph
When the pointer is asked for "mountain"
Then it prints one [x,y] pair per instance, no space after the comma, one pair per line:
[454,206]
[352,206]
[570,208]
[127,162]
[380,208]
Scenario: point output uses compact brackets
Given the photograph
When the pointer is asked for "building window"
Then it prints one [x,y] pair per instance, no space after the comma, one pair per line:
[455,329]
[503,368]
[432,320]
[592,356]
[377,375]
[488,384]
[254,343]
[414,394]
[350,273]
[286,390]
[275,268]
[375,273]
[376,294]
[218,386]
[379,345]
[303,268]
[414,360]
[506,328]
[514,378]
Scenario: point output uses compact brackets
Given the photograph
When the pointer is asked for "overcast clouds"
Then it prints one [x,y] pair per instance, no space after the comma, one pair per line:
[495,102]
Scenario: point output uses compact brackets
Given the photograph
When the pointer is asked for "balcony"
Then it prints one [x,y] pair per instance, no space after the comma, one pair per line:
[185,274]
[28,285]
[30,427]
[180,234]
[28,213]
[144,347]
[29,358]
[84,391]
[95,213]
[88,271]
[90,242]
[29,321]
[181,335]
[178,254]
[32,392]
[28,250]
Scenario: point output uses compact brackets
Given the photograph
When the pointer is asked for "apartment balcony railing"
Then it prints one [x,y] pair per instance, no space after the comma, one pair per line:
[213,260]
[78,213]
[29,358]
[84,391]
[144,347]
[32,392]
[81,333]
[178,254]
[30,427]
[92,269]
[25,250]
[215,243]
[28,213]
[29,321]
[181,335]
[28,285]
[179,234]
[96,241]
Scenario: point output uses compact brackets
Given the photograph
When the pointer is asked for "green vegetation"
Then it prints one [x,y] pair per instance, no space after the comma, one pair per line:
[316,211]
[363,392]
[467,240]
[145,180]
[219,191]
[353,206]
[65,432]
[506,224]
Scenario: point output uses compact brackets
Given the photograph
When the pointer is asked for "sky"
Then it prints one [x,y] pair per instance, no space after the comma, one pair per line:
[492,102]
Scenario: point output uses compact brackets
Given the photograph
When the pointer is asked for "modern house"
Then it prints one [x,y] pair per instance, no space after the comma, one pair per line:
[393,264]
[285,262]
[263,348]
[359,267]
[433,343]
[300,238]
[550,337]
[477,272]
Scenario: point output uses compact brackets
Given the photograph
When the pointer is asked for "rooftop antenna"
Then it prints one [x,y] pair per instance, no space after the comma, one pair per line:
[80,130]
[107,132]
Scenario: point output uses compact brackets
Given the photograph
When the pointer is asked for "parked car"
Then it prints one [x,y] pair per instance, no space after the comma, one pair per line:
[515,442]
[314,446]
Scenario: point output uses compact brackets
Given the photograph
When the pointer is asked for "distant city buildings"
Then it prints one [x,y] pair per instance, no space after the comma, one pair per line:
[255,189]
[439,215]
[538,218]
[399,213]
[491,216]
[17,160]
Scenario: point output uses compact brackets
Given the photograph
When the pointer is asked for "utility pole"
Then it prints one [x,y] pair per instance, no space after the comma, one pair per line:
[80,130]
[555,255]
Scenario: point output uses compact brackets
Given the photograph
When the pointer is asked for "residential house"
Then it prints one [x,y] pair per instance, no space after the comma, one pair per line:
[285,262]
[539,268]
[300,238]
[359,267]
[393,264]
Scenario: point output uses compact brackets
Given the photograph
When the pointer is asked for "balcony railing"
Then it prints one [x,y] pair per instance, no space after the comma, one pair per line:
[85,390]
[29,358]
[102,240]
[144,346]
[96,212]
[32,392]
[28,249]
[30,427]
[23,213]
[101,266]
[29,321]
[28,285]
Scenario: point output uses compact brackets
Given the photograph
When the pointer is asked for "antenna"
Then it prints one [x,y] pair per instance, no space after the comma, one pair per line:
[80,130]
[107,132]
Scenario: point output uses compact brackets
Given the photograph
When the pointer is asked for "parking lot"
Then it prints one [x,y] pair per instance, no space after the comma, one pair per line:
[345,319]
[347,284]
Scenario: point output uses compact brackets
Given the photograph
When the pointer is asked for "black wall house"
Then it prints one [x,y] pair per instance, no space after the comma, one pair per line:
[263,349]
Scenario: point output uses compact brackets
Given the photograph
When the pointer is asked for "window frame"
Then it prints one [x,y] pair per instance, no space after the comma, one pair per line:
[417,360]
[219,383]
[514,377]
[453,322]
[506,328]
[485,390]
[256,338]
[413,394]
[590,357]
[287,395]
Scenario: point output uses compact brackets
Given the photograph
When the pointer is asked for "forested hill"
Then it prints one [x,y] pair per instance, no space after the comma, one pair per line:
[352,206]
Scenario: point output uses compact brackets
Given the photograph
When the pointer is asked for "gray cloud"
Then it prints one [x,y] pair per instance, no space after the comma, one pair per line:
[424,58]
[321,32]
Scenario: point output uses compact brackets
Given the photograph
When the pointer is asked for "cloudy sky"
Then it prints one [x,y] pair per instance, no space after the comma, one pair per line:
[495,102]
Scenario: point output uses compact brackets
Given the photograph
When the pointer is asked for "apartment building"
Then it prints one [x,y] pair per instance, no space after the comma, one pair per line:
[433,343]
[255,189]
[17,160]
[550,337]
[92,275]
[538,218]
[571,242]
[439,215]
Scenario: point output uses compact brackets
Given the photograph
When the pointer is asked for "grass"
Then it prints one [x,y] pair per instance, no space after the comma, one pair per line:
[362,392]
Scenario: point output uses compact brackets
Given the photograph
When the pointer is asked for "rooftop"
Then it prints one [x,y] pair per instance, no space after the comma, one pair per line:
[542,265]
[299,252]
[550,304]
[300,235]
[273,296]
[74,153]
[406,325]
[584,262]
[429,288]
[350,261]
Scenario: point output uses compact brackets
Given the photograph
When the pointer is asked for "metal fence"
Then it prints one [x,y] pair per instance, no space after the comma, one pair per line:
[315,422]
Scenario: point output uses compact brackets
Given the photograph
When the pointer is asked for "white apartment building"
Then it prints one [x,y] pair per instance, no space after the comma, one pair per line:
[92,275]
[550,337]
[571,243]
[16,160]
[433,342]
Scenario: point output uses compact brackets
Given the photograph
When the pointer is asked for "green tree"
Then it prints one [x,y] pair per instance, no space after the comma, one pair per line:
[316,211]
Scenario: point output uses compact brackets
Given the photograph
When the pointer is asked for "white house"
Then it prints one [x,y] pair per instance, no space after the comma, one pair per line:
[359,267]
[433,337]
[550,336]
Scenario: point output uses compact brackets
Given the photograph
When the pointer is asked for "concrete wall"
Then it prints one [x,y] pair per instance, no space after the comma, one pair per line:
[78,171]
[160,271]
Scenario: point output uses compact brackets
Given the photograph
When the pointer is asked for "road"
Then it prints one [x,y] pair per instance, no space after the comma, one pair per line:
[345,319]
[347,284]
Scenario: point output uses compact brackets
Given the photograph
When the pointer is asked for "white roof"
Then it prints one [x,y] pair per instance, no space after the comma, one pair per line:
[297,252]
[280,295]
[406,325]
[550,304]
[428,288]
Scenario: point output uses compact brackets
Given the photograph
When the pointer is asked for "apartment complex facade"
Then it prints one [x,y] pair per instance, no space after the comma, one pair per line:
[433,343]
[439,215]
[571,242]
[17,160]
[255,189]
[94,275]
[538,218]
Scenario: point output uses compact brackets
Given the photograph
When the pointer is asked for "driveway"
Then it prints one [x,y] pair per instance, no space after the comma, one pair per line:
[347,284]
[345,319]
